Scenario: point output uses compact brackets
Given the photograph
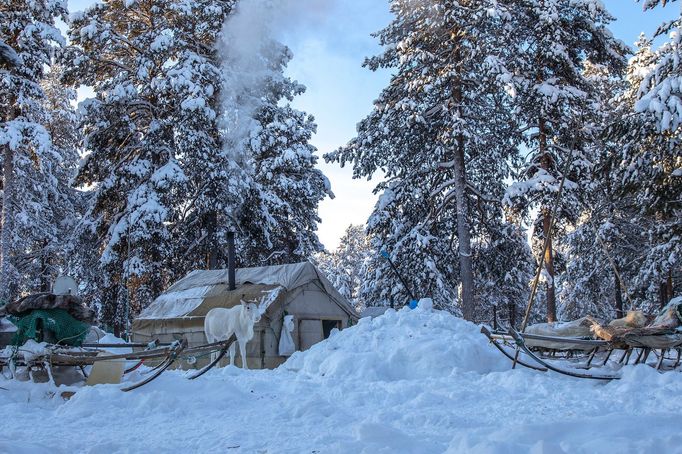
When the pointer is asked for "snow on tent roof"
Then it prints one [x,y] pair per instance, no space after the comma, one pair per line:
[188,293]
[373,311]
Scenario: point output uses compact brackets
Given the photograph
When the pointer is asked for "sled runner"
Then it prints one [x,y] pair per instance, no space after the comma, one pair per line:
[221,354]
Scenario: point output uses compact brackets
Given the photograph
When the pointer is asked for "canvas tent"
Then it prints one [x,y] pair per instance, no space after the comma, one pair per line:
[297,289]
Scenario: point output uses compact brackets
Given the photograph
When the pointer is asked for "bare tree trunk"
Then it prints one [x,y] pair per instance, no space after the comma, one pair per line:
[45,280]
[7,225]
[463,234]
[663,293]
[464,238]
[545,162]
[619,297]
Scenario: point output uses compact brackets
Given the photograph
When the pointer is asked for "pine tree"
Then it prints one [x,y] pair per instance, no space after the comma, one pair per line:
[345,267]
[64,204]
[601,247]
[31,165]
[154,107]
[287,187]
[183,151]
[554,101]
[218,167]
[647,167]
[440,133]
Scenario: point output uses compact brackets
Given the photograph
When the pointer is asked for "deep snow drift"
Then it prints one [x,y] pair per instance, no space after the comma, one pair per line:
[406,382]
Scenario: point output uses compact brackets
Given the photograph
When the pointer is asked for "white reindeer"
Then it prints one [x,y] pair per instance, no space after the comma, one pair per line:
[221,323]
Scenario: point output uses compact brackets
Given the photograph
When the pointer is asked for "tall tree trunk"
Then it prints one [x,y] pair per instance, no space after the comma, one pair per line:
[7,225]
[619,297]
[545,163]
[663,293]
[120,321]
[463,234]
[464,237]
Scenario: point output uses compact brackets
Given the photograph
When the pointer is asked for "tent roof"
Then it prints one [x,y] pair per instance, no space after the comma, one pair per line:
[188,293]
[374,311]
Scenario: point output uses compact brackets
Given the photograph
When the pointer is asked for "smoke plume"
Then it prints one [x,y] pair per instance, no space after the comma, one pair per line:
[253,42]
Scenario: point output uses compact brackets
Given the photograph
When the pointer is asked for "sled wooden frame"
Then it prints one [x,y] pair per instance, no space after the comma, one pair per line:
[167,354]
[178,349]
[88,357]
[579,343]
[174,352]
[518,340]
[521,345]
[221,353]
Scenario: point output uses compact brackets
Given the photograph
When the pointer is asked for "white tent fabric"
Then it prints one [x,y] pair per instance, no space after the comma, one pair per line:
[187,294]
[286,342]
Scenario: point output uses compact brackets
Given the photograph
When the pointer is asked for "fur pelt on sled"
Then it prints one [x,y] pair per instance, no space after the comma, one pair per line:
[70,303]
[634,319]
[667,322]
[575,328]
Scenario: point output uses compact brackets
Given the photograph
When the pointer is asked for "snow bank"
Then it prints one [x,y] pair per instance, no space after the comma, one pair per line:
[403,345]
[407,382]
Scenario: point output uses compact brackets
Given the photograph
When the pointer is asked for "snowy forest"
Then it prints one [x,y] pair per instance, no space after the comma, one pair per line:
[507,125]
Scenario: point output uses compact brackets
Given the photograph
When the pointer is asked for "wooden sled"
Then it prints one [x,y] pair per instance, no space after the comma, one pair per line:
[520,342]
[80,358]
[637,347]
[109,367]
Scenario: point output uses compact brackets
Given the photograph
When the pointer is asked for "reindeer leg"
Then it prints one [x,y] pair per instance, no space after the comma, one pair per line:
[232,353]
[242,352]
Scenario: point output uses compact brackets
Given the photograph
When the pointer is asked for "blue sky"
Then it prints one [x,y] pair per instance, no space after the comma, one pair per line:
[328,52]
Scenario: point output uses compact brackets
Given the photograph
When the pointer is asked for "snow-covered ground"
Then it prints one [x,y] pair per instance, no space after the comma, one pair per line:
[406,382]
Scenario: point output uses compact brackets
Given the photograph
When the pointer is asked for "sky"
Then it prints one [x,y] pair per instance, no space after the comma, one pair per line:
[329,48]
